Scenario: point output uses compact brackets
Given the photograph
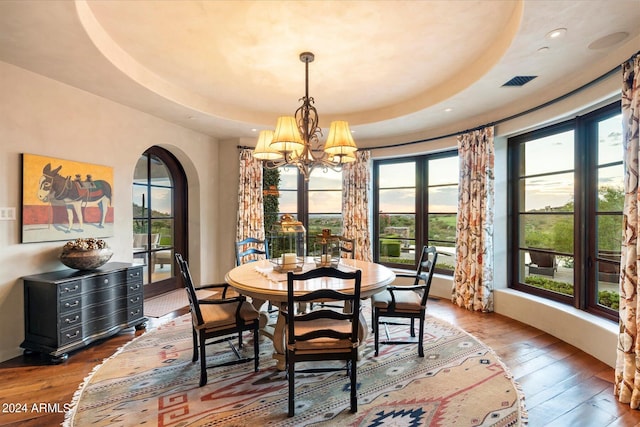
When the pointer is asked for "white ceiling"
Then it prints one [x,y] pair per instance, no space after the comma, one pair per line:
[391,68]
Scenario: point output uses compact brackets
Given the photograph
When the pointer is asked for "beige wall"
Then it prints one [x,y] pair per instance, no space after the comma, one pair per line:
[41,116]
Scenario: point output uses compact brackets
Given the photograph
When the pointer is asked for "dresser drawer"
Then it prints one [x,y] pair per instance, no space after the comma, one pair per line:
[134,288]
[135,275]
[66,290]
[134,300]
[68,336]
[69,320]
[134,312]
[71,304]
[96,283]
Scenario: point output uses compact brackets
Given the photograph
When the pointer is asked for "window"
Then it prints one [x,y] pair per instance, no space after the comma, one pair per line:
[415,200]
[566,192]
[317,203]
[325,202]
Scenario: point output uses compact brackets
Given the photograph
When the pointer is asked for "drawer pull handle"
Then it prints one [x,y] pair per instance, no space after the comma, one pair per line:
[134,300]
[72,304]
[75,288]
[134,288]
[73,335]
[135,313]
[74,320]
[106,281]
[136,274]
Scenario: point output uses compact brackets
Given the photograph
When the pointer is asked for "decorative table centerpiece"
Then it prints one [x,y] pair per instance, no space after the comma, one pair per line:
[326,249]
[85,254]
[287,244]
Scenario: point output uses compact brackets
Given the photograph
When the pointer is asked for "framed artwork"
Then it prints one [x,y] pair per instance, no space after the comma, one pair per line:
[65,200]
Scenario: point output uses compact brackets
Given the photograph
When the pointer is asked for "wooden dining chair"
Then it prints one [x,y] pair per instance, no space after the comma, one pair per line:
[409,302]
[225,319]
[322,335]
[250,250]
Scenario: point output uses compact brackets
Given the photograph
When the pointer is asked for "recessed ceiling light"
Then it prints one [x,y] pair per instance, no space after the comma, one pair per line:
[557,33]
[254,130]
[446,110]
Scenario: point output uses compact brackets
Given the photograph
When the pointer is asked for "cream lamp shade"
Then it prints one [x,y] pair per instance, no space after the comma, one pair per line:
[286,137]
[339,141]
[263,151]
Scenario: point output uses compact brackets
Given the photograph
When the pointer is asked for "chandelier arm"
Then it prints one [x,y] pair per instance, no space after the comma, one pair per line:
[274,164]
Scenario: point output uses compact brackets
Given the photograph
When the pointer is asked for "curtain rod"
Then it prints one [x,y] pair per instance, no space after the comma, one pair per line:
[506,119]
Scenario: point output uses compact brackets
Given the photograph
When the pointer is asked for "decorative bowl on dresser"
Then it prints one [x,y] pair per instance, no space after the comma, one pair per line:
[85,253]
[68,309]
[86,260]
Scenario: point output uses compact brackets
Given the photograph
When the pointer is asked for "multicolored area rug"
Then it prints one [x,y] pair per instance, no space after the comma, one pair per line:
[170,302]
[152,381]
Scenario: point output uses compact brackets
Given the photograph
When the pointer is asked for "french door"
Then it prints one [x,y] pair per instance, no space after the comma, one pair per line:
[159,219]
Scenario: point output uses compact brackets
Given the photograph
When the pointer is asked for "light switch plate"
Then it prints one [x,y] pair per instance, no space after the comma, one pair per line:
[7,214]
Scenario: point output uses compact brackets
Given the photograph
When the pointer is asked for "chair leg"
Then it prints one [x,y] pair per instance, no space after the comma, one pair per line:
[413,327]
[354,385]
[376,329]
[373,318]
[421,337]
[195,345]
[291,377]
[203,361]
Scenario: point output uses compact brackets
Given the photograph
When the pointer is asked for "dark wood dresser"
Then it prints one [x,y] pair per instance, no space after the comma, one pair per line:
[68,309]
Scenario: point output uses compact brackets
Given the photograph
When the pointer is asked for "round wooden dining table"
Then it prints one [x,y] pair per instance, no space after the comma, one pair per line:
[259,281]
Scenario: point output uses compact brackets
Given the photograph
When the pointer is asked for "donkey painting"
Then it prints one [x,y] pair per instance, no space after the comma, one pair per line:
[74,194]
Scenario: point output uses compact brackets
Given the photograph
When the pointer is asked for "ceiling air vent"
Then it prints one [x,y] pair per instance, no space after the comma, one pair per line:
[519,80]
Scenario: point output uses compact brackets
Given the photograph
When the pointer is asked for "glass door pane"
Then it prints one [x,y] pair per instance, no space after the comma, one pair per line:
[609,205]
[154,222]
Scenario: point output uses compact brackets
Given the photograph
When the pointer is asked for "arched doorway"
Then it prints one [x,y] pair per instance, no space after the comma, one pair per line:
[159,219]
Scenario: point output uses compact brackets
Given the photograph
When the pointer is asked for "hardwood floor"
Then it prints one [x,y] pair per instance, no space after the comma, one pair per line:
[563,386]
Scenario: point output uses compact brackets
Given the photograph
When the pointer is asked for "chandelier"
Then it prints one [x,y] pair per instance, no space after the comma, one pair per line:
[295,142]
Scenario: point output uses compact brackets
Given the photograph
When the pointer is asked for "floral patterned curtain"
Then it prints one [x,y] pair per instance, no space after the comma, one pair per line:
[355,204]
[627,373]
[250,199]
[473,274]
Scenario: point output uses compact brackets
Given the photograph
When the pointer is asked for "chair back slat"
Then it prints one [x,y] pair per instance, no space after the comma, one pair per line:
[426,267]
[350,298]
[190,288]
[248,250]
